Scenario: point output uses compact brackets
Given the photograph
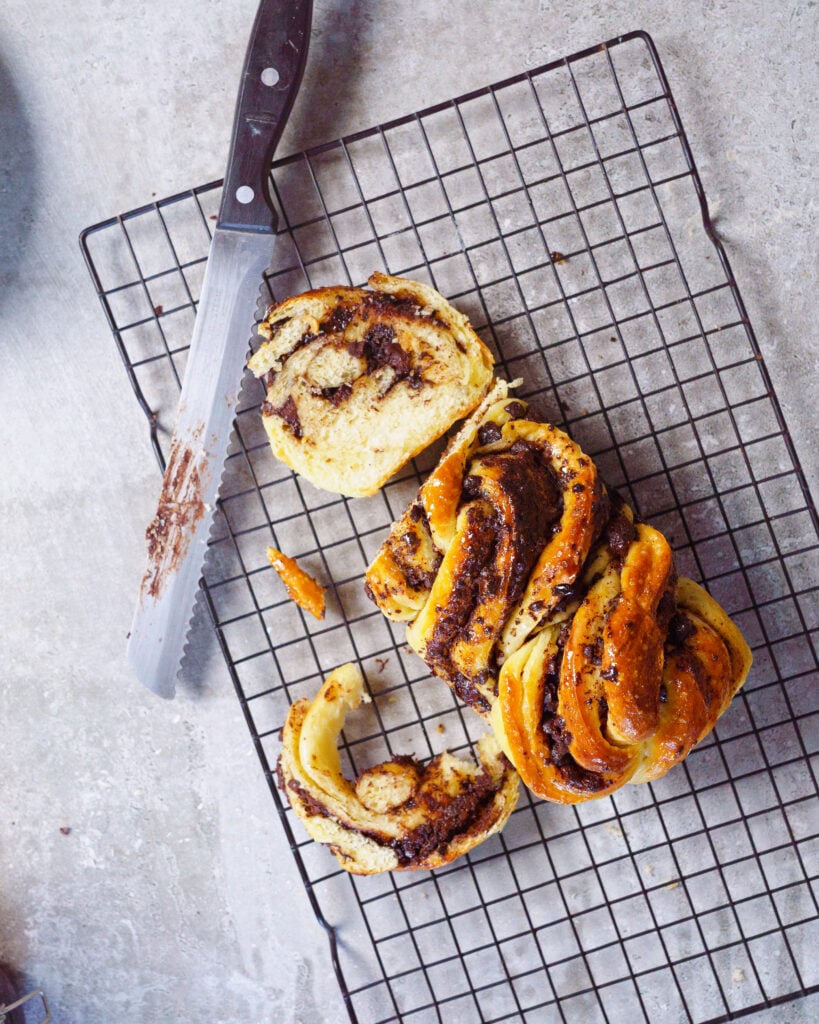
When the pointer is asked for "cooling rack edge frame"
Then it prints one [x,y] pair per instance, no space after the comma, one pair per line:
[731,282]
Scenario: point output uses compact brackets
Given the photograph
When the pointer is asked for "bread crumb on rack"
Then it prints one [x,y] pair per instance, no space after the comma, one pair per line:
[300,585]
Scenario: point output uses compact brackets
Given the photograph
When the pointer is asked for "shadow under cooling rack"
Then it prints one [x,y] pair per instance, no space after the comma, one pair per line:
[562,212]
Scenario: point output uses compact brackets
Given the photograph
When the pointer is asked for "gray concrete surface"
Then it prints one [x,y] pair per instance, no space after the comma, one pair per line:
[143,876]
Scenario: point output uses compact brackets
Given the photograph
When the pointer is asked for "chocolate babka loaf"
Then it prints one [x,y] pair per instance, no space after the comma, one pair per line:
[397,815]
[550,610]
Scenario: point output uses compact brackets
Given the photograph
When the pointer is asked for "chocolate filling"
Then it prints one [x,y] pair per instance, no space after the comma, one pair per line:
[667,606]
[620,533]
[404,551]
[535,504]
[338,320]
[312,807]
[453,619]
[488,433]
[467,690]
[530,485]
[558,736]
[379,348]
[393,305]
[337,395]
[417,579]
[680,629]
[288,412]
[594,652]
[471,811]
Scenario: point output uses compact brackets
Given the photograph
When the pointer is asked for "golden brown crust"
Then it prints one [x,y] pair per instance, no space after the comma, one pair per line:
[358,381]
[300,585]
[400,815]
[624,690]
[707,660]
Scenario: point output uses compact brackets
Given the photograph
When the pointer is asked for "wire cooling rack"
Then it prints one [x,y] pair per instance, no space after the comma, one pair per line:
[562,211]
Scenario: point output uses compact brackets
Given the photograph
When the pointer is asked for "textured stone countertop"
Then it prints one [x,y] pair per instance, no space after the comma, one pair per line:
[143,874]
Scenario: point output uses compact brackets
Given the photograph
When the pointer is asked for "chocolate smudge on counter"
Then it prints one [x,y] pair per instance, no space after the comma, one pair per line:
[179,509]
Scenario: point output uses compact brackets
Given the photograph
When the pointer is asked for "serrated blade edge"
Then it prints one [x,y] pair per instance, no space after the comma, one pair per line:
[178,534]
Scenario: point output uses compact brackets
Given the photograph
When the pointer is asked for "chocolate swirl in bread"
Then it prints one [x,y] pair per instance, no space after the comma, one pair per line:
[358,380]
[548,609]
[398,815]
[491,545]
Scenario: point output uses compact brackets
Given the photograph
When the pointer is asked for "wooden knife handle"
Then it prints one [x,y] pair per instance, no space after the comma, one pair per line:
[274,63]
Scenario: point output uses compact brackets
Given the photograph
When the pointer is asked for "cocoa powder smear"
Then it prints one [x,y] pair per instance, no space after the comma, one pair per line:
[179,510]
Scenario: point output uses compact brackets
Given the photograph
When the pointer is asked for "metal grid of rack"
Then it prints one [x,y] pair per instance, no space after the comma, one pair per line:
[562,211]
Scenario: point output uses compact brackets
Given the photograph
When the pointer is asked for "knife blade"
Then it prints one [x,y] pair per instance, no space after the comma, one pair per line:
[241,250]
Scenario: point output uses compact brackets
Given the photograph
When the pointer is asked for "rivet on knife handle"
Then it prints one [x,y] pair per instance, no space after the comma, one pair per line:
[274,65]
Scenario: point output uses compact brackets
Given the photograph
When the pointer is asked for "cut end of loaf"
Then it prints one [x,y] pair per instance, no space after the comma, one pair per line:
[359,381]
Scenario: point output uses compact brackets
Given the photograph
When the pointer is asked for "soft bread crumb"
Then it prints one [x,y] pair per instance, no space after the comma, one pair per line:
[358,381]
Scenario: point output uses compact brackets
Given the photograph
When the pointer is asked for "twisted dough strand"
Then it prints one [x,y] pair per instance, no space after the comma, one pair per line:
[549,610]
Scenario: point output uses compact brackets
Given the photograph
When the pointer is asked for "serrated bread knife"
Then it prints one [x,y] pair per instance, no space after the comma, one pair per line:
[240,251]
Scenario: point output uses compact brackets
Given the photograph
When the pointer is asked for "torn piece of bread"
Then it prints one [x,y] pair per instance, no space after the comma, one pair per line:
[398,815]
[360,380]
[300,585]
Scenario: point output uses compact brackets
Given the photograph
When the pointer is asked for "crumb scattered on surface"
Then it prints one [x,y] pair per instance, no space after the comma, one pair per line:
[300,585]
[159,309]
[558,257]
[738,975]
[65,830]
[672,885]
[382,663]
[441,727]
